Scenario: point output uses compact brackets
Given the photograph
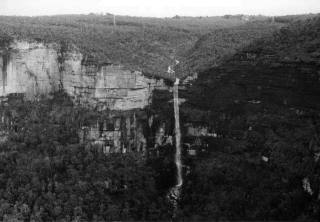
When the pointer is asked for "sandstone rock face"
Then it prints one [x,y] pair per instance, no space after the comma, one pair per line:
[29,68]
[35,69]
[32,69]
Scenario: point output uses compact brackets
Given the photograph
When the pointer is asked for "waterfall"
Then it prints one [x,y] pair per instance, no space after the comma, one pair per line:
[177,133]
[174,192]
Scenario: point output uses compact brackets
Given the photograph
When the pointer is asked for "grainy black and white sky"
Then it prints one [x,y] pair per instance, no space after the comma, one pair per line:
[159,8]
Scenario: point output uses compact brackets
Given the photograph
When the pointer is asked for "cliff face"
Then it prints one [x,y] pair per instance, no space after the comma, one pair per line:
[28,68]
[31,70]
[35,69]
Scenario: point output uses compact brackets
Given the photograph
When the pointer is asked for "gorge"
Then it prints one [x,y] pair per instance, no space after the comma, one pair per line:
[94,126]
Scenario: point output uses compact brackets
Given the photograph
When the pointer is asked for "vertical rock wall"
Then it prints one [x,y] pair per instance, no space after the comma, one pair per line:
[29,68]
[35,69]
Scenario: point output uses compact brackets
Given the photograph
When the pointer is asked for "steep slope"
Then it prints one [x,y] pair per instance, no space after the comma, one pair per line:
[263,103]
[211,49]
[287,62]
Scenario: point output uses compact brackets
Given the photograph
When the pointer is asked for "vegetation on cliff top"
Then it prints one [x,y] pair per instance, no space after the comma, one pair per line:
[146,44]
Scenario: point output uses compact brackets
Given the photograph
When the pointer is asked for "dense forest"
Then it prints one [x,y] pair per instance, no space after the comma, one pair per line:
[213,48]
[264,103]
[47,175]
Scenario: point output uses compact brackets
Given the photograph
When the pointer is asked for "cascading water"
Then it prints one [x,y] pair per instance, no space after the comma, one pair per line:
[175,191]
[177,133]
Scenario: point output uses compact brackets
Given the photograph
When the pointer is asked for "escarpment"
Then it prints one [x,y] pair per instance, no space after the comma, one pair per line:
[34,69]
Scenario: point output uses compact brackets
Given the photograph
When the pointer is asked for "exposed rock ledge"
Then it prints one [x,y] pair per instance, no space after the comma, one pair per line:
[34,69]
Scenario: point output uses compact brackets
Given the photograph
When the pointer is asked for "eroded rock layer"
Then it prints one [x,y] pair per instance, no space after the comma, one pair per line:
[35,69]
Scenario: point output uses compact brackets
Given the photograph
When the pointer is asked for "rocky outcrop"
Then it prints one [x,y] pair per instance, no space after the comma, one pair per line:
[121,132]
[34,69]
[31,70]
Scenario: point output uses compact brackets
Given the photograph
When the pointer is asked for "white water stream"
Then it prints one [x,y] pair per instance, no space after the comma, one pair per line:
[175,191]
[177,133]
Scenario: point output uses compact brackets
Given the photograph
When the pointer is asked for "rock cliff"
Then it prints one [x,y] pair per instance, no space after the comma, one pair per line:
[34,69]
